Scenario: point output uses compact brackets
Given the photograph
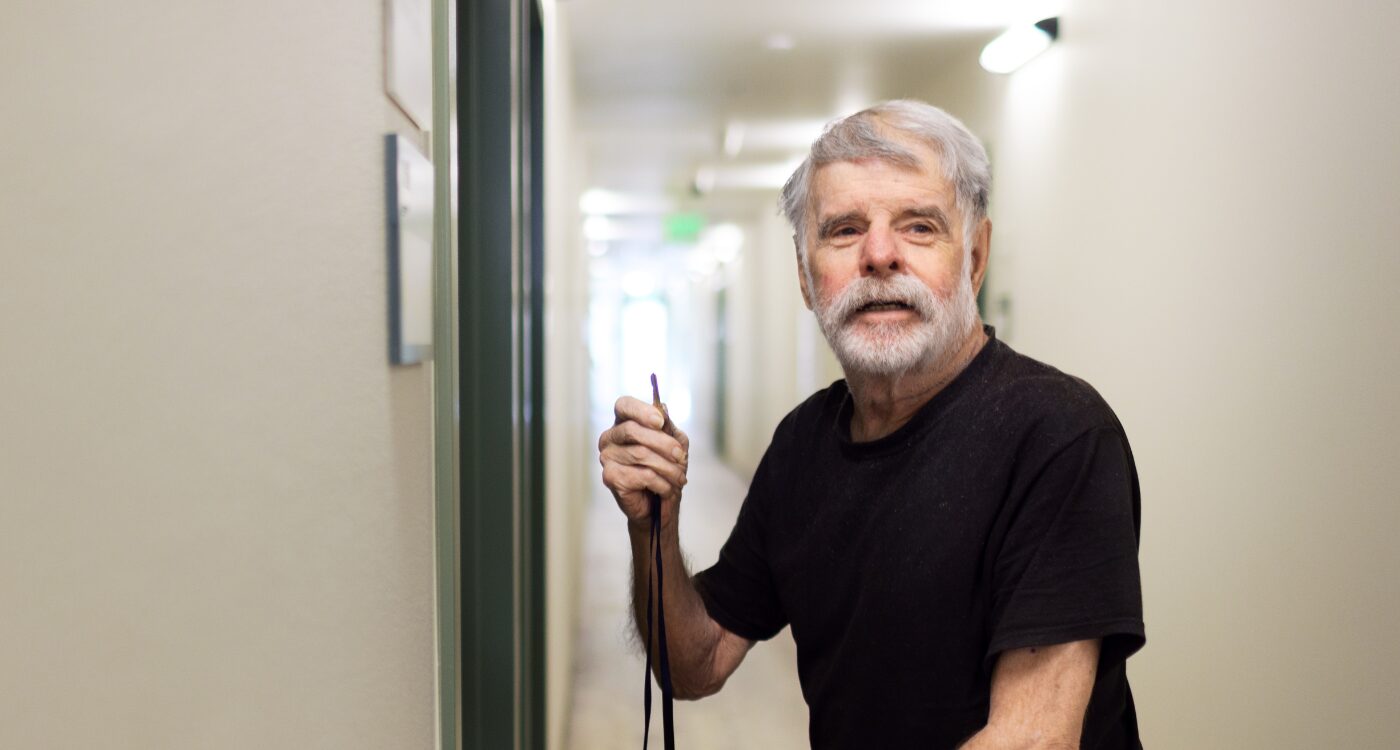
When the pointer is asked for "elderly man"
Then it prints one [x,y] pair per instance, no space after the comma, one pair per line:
[951,531]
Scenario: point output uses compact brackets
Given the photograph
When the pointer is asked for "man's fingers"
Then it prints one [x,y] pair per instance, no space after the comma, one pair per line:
[632,433]
[642,456]
[639,411]
[631,479]
[628,409]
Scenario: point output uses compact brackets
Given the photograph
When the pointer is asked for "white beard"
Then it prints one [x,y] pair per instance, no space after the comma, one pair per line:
[895,348]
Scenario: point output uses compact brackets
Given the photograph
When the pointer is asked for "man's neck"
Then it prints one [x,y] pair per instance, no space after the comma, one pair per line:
[884,403]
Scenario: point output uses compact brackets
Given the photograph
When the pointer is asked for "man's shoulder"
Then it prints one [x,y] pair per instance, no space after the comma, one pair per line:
[1032,392]
[817,411]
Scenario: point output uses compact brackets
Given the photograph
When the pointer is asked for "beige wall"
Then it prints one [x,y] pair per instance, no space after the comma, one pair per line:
[215,494]
[1194,211]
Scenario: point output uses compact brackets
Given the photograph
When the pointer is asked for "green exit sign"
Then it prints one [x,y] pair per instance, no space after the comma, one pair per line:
[683,227]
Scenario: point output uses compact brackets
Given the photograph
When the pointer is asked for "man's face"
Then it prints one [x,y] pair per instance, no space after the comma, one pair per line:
[890,282]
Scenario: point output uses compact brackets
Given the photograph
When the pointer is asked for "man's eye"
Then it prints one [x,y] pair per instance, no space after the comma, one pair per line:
[844,231]
[922,229]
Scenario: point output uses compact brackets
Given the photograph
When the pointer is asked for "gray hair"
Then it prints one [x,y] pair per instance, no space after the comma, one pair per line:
[964,160]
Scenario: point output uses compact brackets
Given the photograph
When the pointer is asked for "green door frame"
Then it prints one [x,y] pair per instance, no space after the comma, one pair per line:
[499,276]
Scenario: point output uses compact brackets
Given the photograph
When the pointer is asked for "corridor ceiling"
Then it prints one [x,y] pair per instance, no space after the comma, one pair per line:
[657,81]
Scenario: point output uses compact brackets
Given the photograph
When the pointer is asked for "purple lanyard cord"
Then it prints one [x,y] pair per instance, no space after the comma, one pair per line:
[658,633]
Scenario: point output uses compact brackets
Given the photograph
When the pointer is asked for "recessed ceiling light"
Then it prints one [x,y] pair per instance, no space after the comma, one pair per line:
[780,42]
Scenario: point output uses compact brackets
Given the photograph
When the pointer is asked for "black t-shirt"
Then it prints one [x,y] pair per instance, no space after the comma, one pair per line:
[1004,514]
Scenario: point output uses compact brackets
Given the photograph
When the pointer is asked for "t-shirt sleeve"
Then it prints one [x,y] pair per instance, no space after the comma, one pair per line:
[1067,569]
[738,590]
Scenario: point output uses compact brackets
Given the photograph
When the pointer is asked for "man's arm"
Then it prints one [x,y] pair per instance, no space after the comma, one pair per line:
[703,654]
[645,452]
[1039,696]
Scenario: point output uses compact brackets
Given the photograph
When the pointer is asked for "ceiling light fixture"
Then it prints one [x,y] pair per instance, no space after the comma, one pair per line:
[780,42]
[733,139]
[704,180]
[1018,45]
[770,137]
[744,176]
[600,202]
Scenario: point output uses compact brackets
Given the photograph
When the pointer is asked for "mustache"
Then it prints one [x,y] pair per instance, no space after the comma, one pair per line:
[865,291]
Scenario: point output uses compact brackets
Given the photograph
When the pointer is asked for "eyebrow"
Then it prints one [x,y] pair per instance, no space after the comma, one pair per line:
[934,213]
[830,223]
[927,212]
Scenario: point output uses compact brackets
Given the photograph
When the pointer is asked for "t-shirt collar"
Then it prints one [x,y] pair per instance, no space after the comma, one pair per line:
[975,372]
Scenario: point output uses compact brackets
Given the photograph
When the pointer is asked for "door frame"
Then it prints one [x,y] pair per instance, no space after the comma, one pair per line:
[491,542]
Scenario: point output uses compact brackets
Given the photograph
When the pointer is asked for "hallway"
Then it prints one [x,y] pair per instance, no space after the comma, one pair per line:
[296,443]
[761,706]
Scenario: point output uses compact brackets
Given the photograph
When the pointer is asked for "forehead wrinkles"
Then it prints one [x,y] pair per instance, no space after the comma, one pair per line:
[838,190]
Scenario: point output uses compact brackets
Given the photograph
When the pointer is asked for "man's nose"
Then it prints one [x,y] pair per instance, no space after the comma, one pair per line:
[880,253]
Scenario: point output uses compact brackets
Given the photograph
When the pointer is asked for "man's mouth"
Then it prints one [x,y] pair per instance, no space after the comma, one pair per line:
[882,305]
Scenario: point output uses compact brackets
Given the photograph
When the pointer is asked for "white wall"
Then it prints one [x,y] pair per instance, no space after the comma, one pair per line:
[570,448]
[764,304]
[777,355]
[215,494]
[1194,211]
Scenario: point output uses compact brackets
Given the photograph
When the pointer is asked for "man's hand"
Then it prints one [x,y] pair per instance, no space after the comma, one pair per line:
[643,451]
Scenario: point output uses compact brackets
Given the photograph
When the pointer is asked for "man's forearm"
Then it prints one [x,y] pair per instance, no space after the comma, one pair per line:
[992,738]
[1039,697]
[691,636]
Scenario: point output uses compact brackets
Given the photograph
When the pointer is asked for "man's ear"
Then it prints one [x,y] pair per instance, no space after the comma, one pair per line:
[801,277]
[981,252]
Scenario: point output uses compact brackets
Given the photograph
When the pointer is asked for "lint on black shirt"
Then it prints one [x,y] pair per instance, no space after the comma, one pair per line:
[1004,514]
